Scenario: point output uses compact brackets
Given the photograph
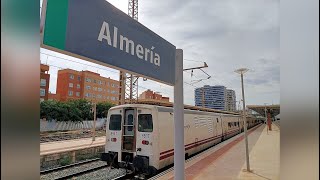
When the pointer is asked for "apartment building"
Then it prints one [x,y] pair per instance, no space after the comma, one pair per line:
[44,82]
[150,95]
[213,97]
[89,85]
[231,100]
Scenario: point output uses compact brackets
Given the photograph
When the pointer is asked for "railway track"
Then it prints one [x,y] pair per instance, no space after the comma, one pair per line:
[53,137]
[102,171]
[73,170]
[44,172]
[81,172]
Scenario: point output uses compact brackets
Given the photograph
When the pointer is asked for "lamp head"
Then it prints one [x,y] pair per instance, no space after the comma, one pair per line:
[241,70]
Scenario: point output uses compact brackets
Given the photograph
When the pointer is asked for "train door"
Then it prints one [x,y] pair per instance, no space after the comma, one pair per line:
[128,137]
[217,130]
[144,132]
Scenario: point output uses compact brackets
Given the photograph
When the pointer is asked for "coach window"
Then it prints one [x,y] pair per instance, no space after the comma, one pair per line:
[217,120]
[115,122]
[145,123]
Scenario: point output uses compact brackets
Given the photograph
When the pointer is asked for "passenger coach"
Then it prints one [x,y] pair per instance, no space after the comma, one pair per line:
[140,136]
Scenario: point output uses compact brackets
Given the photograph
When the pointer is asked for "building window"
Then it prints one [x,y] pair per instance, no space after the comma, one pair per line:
[71,85]
[70,93]
[113,98]
[100,89]
[108,84]
[94,88]
[78,86]
[71,76]
[78,94]
[108,90]
[79,78]
[42,92]
[112,85]
[41,99]
[107,97]
[95,81]
[88,80]
[88,95]
[43,82]
[99,82]
[93,95]
[88,87]
[99,96]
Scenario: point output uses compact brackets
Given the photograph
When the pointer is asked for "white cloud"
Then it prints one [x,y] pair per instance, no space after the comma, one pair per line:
[226,34]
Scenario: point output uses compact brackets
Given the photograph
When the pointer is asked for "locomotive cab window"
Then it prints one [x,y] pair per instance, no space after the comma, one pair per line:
[115,122]
[145,123]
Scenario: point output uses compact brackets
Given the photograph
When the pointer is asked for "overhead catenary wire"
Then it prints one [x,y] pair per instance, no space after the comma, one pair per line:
[80,63]
[115,72]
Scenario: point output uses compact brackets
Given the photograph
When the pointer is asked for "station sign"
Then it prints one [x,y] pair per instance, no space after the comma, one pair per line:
[96,31]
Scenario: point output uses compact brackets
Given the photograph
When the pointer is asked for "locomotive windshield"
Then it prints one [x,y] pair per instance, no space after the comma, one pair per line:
[115,122]
[145,123]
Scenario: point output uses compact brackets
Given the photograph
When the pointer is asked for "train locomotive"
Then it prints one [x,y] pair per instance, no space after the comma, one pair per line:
[140,136]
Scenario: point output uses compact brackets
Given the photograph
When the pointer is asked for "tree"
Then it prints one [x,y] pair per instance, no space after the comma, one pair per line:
[84,106]
[103,108]
[72,110]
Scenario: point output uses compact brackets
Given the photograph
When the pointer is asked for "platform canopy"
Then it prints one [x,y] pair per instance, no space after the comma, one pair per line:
[273,109]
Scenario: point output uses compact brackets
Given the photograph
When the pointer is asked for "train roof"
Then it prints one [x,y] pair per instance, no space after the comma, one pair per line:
[169,104]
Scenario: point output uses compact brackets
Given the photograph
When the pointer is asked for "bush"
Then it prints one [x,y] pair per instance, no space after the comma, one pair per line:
[73,110]
[65,161]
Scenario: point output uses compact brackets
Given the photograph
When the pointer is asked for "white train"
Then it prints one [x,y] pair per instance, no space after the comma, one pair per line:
[140,136]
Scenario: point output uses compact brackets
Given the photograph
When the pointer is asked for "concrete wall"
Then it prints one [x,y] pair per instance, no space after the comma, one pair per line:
[63,126]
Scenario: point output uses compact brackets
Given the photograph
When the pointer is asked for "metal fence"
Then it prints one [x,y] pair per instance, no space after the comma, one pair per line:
[67,126]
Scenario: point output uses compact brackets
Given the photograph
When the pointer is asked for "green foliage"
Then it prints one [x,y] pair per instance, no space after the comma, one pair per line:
[84,106]
[73,110]
[102,109]
[65,161]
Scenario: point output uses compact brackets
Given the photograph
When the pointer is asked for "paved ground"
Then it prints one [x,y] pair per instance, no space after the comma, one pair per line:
[265,156]
[228,161]
[69,145]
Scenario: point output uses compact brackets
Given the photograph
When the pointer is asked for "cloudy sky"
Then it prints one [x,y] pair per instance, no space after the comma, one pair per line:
[226,34]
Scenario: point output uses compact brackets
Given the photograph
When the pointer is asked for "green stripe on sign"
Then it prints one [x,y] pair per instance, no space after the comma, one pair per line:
[56,23]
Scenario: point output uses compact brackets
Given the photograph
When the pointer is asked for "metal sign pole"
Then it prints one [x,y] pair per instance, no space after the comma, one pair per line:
[178,118]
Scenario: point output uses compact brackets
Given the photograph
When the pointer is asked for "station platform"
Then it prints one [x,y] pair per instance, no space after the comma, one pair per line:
[70,145]
[227,160]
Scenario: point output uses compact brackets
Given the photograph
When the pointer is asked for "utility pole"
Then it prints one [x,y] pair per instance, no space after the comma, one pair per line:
[94,121]
[202,89]
[129,82]
[203,99]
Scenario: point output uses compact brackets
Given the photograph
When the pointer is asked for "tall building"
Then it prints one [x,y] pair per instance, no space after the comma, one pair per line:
[231,100]
[213,97]
[44,82]
[150,95]
[73,84]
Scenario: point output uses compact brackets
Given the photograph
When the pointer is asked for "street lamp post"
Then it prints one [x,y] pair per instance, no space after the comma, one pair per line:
[241,71]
